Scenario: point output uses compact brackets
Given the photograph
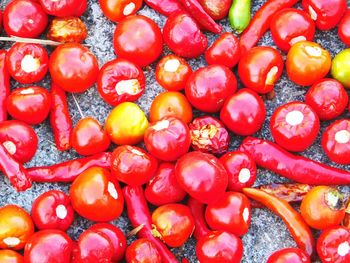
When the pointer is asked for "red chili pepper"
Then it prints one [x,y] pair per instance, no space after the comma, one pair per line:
[197,209]
[14,171]
[4,85]
[261,22]
[139,214]
[298,168]
[165,7]
[69,170]
[203,18]
[61,123]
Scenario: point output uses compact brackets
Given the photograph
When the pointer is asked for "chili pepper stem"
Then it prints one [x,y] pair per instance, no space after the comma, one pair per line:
[77,104]
[135,230]
[33,41]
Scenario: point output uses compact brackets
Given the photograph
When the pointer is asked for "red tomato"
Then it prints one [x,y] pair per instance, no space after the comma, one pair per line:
[291,25]
[117,10]
[294,126]
[53,246]
[64,8]
[132,165]
[174,223]
[73,67]
[142,250]
[217,9]
[24,18]
[260,68]
[244,112]
[138,39]
[120,80]
[334,245]
[27,63]
[88,137]
[212,182]
[289,255]
[0,20]
[208,87]
[178,34]
[241,170]
[52,210]
[326,13]
[10,256]
[344,28]
[336,141]
[219,246]
[31,104]
[19,139]
[96,195]
[16,227]
[163,188]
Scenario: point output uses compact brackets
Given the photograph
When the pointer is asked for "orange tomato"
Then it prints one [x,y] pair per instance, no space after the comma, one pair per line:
[10,256]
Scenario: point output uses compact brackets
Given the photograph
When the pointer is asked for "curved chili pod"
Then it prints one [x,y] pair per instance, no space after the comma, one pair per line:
[4,85]
[165,7]
[197,208]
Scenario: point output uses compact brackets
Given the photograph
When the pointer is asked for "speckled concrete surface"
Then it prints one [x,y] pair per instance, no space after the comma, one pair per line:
[267,232]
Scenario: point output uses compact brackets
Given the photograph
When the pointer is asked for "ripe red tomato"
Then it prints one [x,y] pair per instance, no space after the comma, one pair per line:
[142,250]
[31,104]
[289,26]
[73,67]
[244,112]
[132,165]
[208,87]
[96,195]
[10,256]
[212,183]
[289,255]
[260,68]
[217,9]
[117,10]
[294,126]
[138,38]
[24,18]
[344,28]
[178,33]
[64,8]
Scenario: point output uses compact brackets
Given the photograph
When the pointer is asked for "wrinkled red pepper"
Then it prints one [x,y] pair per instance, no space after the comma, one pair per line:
[4,86]
[197,208]
[165,7]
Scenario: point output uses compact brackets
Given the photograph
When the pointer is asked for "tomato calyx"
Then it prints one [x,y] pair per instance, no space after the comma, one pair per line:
[334,199]
[172,65]
[112,190]
[244,175]
[155,232]
[343,248]
[294,117]
[342,136]
[129,86]
[313,51]
[30,64]
[129,9]
[312,13]
[11,241]
[271,76]
[61,211]
[10,147]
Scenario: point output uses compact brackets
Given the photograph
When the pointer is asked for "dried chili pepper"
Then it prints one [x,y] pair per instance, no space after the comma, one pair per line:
[4,85]
[298,168]
[287,192]
[69,170]
[197,208]
[165,7]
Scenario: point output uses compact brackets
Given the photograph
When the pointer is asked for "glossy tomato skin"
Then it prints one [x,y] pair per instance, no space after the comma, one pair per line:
[138,39]
[133,165]
[291,25]
[73,67]
[328,98]
[64,8]
[120,80]
[208,87]
[96,195]
[10,256]
[16,227]
[24,18]
[217,9]
[31,105]
[142,250]
[260,68]
[213,181]
[244,112]
[344,29]
[183,36]
[117,10]
[52,210]
[289,255]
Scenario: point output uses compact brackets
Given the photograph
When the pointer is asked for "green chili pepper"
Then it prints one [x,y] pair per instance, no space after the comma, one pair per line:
[239,15]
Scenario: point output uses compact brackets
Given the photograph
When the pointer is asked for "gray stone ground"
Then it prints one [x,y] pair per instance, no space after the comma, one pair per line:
[267,232]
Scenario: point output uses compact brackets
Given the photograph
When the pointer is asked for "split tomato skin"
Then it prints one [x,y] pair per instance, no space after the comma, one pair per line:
[117,10]
[344,29]
[64,8]
[142,250]
[289,255]
[10,256]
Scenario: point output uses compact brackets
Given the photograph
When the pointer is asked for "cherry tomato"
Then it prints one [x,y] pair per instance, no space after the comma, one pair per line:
[53,246]
[326,13]
[334,245]
[208,87]
[291,25]
[117,10]
[132,165]
[328,98]
[217,9]
[96,195]
[163,188]
[24,18]
[260,68]
[224,51]
[219,246]
[73,67]
[16,227]
[340,70]
[178,34]
[244,112]
[307,62]
[31,104]
[64,8]
[174,223]
[67,30]
[125,130]
[171,104]
[241,170]
[88,137]
[323,207]
[19,139]
[142,250]
[289,255]
[344,28]
[336,141]
[294,126]
[10,256]
[52,210]
[120,80]
[212,183]
[138,39]
[209,135]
